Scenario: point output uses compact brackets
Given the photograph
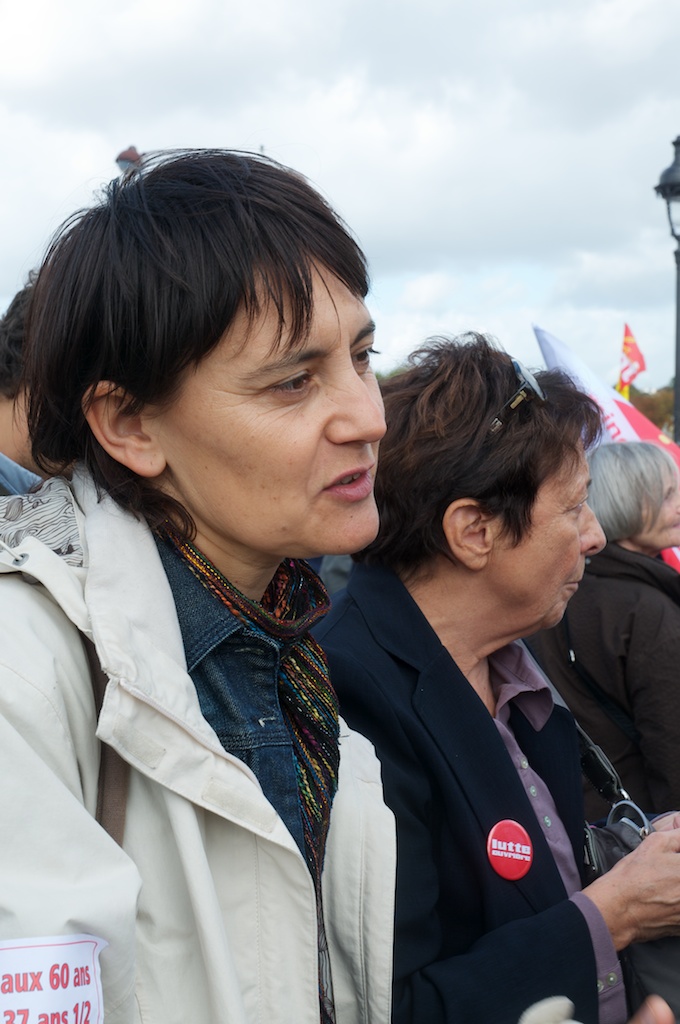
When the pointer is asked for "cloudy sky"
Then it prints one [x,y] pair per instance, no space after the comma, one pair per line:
[496,159]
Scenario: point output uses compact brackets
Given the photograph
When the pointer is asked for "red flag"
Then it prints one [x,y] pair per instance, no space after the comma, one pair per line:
[632,362]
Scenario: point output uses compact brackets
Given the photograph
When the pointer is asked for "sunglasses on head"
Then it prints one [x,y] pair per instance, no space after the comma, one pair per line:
[529,390]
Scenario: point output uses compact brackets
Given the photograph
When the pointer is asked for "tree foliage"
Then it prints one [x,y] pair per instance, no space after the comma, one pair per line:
[657,406]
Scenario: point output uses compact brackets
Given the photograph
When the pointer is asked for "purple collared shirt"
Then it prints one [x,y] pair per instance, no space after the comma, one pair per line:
[515,678]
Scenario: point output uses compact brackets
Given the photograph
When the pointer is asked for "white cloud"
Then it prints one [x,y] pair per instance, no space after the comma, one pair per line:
[496,160]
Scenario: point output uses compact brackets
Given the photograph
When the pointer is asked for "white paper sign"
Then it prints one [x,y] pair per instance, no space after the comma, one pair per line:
[51,980]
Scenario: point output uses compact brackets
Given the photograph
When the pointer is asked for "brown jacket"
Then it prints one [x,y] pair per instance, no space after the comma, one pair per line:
[624,627]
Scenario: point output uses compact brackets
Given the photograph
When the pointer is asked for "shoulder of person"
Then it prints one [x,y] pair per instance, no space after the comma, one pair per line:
[45,686]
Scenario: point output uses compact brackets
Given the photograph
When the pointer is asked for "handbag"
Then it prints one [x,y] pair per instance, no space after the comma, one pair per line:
[648,967]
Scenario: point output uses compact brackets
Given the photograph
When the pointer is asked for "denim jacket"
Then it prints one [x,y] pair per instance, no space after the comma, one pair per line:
[235,674]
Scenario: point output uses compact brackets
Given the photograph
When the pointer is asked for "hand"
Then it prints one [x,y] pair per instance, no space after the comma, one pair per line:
[654,1010]
[666,822]
[639,898]
[559,1009]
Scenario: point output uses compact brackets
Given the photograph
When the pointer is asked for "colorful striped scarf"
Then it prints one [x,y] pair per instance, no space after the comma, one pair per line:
[293,602]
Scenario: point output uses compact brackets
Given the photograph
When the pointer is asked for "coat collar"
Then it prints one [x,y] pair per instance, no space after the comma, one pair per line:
[403,629]
[615,562]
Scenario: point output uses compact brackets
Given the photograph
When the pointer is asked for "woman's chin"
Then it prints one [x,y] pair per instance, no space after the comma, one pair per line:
[358,535]
[346,545]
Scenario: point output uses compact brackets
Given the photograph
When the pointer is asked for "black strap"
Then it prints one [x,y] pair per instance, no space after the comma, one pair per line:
[595,765]
[601,774]
[114,772]
[598,769]
[611,708]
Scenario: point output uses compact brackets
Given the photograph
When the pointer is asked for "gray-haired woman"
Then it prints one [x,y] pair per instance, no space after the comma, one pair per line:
[615,655]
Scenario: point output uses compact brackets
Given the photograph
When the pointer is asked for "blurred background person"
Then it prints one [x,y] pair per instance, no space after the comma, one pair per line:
[615,656]
[17,468]
[484,532]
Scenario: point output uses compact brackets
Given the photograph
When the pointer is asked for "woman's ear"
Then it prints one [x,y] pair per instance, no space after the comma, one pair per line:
[126,437]
[470,533]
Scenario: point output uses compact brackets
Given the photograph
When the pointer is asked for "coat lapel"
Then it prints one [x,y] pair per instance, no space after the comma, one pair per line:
[465,733]
[469,741]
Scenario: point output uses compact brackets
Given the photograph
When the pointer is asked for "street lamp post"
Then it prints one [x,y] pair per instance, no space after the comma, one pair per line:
[669,189]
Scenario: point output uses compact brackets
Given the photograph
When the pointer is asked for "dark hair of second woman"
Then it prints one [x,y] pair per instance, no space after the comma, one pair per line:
[439,446]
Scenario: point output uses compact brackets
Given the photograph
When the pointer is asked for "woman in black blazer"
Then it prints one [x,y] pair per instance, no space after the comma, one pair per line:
[485,528]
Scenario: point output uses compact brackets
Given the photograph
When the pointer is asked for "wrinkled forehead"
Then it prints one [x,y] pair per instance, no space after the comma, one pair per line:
[574,466]
[281,320]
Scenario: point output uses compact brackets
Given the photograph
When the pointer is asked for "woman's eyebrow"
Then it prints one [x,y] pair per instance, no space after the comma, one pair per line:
[365,332]
[294,357]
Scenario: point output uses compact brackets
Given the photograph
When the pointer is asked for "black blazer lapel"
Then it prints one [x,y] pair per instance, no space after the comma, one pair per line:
[464,732]
[468,739]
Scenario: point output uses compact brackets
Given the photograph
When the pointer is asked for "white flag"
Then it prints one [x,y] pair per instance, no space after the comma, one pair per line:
[623,422]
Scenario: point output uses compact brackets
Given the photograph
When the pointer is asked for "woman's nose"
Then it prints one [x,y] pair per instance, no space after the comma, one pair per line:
[593,538]
[360,415]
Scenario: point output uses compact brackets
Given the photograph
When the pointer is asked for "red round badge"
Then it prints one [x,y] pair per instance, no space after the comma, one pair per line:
[509,849]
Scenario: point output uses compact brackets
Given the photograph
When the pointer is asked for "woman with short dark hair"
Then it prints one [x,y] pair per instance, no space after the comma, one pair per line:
[485,528]
[198,365]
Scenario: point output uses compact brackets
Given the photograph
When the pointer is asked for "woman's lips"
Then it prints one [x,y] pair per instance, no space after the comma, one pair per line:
[353,486]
